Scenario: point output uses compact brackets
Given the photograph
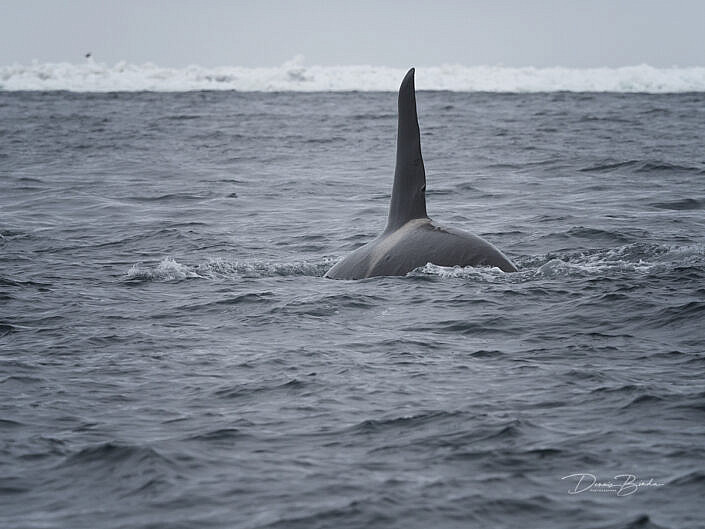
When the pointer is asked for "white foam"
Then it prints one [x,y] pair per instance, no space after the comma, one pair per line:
[635,258]
[169,269]
[295,76]
[639,258]
[482,274]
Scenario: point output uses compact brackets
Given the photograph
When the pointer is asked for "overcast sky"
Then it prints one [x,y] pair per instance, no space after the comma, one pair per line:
[391,33]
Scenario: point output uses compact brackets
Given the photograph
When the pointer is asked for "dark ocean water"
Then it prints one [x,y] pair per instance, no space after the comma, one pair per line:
[170,355]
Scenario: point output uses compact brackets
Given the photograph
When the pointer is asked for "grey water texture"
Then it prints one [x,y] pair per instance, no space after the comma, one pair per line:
[172,356]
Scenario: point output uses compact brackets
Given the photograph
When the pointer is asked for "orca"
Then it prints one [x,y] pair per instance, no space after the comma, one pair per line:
[411,239]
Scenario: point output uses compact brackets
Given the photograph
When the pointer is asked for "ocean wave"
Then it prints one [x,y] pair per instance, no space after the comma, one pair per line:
[251,390]
[109,452]
[219,434]
[6,328]
[683,204]
[109,468]
[295,76]
[641,521]
[643,166]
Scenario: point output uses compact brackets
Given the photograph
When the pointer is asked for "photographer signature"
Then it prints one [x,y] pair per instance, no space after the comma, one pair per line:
[621,484]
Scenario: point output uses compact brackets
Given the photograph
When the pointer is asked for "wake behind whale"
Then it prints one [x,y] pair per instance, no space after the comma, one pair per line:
[411,239]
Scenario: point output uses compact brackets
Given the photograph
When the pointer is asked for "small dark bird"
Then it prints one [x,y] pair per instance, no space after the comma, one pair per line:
[88,55]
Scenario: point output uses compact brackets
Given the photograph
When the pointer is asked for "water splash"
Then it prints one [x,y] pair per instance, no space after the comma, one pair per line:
[638,258]
[168,269]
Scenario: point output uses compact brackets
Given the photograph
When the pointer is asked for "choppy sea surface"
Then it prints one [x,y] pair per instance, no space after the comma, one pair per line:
[171,356]
[298,76]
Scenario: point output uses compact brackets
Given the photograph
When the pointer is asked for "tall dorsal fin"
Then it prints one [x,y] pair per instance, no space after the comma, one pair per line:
[409,191]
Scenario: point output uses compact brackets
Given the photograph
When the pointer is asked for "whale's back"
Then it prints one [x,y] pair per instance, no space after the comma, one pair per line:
[416,243]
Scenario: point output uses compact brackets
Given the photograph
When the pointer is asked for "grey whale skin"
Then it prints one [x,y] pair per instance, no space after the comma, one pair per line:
[411,239]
